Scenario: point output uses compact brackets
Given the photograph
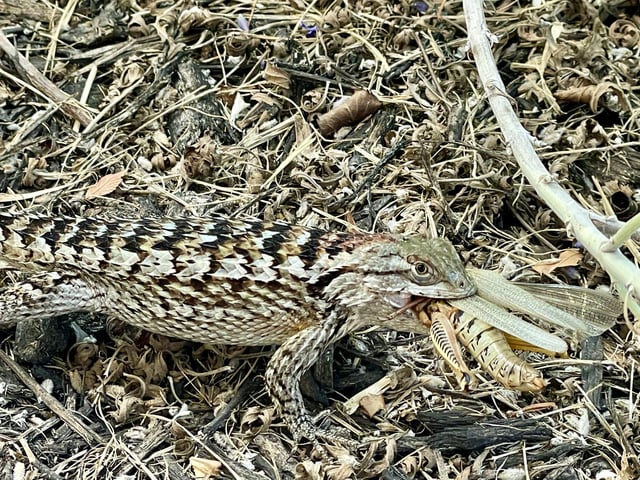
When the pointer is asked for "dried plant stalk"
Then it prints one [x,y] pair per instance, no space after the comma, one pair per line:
[622,271]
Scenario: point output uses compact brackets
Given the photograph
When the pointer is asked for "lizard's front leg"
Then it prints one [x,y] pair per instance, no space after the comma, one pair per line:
[289,363]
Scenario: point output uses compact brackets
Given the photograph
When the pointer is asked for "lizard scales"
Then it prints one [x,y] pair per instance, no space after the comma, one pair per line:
[236,282]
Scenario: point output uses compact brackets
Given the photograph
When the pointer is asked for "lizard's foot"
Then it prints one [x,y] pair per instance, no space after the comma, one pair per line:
[305,428]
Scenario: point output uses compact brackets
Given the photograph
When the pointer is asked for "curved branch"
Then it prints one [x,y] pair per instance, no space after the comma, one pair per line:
[577,219]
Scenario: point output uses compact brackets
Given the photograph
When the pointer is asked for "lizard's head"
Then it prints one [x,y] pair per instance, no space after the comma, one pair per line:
[379,281]
[415,266]
[434,269]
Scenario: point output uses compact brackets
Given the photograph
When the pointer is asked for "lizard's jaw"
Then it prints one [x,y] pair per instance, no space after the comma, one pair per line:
[444,290]
[398,300]
[440,291]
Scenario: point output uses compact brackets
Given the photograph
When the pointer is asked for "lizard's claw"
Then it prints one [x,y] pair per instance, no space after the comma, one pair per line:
[305,428]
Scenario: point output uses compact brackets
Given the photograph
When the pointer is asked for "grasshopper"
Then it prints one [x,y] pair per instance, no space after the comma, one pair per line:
[482,326]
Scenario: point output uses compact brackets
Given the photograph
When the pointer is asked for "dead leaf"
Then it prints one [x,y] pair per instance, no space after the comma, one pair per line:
[372,404]
[313,100]
[308,470]
[239,43]
[602,95]
[105,185]
[256,420]
[277,76]
[410,465]
[351,111]
[84,353]
[567,258]
[399,378]
[624,33]
[126,406]
[204,468]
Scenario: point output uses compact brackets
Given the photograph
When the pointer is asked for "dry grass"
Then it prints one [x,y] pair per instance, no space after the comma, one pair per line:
[222,106]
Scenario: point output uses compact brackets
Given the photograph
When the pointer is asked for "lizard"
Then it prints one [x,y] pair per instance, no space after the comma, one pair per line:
[228,281]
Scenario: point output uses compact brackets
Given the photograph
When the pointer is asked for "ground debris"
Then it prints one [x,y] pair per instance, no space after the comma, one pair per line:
[200,107]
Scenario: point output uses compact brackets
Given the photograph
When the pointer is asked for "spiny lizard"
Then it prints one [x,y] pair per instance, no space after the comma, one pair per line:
[236,282]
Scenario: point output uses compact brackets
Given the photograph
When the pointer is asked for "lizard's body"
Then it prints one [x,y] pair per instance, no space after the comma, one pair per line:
[227,282]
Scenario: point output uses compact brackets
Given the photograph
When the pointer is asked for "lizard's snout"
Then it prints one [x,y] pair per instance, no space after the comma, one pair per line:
[462,282]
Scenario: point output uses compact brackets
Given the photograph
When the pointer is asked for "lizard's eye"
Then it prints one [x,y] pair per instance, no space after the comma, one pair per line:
[422,272]
[421,268]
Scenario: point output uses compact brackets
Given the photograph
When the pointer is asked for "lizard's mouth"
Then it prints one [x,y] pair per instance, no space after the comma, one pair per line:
[400,300]
[405,302]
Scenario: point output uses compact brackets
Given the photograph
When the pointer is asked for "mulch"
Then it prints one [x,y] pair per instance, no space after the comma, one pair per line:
[344,115]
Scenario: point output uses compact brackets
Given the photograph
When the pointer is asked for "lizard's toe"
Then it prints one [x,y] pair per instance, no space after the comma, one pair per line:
[305,428]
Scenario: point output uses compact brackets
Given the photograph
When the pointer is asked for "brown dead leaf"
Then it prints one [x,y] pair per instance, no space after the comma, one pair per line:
[351,111]
[603,95]
[313,100]
[402,377]
[192,18]
[277,76]
[567,258]
[240,43]
[131,74]
[624,33]
[84,353]
[257,420]
[94,377]
[105,185]
[126,406]
[372,404]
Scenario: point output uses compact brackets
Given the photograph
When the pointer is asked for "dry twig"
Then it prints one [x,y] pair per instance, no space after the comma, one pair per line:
[577,219]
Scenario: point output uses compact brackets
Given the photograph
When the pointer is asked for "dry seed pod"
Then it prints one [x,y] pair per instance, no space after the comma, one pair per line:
[277,76]
[190,19]
[603,95]
[314,100]
[334,20]
[238,43]
[624,33]
[332,43]
[349,112]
